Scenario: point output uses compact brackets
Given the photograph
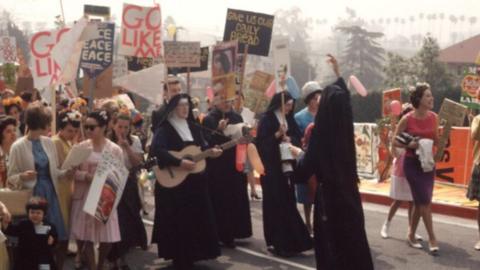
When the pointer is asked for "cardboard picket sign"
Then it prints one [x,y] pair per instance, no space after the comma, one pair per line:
[261,80]
[249,28]
[182,54]
[103,84]
[204,53]
[141,32]
[97,54]
[387,97]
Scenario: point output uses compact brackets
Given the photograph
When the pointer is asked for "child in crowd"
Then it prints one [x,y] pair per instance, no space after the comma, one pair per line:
[36,238]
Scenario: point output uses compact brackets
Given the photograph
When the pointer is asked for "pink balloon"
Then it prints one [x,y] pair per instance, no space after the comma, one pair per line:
[358,86]
[396,107]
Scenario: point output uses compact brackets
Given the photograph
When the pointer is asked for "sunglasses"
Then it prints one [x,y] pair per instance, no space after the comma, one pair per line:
[89,127]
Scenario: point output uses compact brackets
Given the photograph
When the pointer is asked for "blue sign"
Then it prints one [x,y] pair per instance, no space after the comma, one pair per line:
[97,54]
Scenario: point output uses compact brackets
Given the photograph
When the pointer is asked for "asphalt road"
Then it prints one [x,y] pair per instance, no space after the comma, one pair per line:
[456,239]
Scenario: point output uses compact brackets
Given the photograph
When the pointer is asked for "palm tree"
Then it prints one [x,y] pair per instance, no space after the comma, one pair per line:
[462,20]
[472,20]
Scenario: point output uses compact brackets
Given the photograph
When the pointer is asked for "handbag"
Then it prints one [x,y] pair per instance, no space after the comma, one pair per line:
[15,200]
[405,138]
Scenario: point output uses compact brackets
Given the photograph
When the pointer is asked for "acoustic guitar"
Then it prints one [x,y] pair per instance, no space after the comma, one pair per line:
[170,177]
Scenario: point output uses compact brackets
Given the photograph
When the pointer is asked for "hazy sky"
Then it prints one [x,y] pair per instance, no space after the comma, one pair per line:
[208,16]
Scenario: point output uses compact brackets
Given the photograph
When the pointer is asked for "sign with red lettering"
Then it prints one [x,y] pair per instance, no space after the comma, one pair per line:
[45,70]
[141,33]
[8,50]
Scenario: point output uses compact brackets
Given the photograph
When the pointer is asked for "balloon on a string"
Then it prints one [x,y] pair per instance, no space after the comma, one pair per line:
[396,107]
[358,86]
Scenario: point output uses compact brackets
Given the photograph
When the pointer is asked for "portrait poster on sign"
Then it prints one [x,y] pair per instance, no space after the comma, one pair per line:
[249,28]
[281,62]
[97,54]
[224,58]
[107,187]
[8,51]
[387,97]
[141,32]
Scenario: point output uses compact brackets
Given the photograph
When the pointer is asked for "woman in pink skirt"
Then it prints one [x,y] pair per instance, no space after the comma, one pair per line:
[399,188]
[86,229]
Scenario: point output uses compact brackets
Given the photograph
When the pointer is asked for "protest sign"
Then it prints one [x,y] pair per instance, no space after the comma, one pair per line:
[225,86]
[182,54]
[470,86]
[261,80]
[255,100]
[120,67]
[387,97]
[45,69]
[147,83]
[249,28]
[92,10]
[103,84]
[107,186]
[141,32]
[139,63]
[281,63]
[97,54]
[204,52]
[8,51]
[224,57]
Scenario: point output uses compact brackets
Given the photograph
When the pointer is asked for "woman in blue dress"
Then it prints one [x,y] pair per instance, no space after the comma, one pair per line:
[34,165]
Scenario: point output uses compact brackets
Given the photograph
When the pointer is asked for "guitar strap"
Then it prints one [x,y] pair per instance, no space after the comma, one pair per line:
[212,131]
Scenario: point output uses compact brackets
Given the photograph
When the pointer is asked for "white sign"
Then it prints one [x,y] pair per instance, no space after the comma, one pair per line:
[107,186]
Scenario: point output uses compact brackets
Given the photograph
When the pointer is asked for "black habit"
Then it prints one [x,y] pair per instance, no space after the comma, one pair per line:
[184,226]
[33,249]
[340,239]
[228,187]
[283,226]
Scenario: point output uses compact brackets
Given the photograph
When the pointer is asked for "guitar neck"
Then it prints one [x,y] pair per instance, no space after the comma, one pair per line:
[205,154]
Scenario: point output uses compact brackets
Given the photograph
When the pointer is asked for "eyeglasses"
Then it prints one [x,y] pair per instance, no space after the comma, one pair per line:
[89,127]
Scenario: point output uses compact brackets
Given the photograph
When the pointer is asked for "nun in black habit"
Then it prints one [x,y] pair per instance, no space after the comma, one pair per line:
[228,187]
[184,226]
[340,239]
[283,226]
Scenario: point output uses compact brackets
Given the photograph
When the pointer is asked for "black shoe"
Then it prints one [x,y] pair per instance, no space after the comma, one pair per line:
[182,265]
[229,244]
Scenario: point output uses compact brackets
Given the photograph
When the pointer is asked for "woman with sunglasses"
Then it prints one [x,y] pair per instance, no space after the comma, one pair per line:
[86,229]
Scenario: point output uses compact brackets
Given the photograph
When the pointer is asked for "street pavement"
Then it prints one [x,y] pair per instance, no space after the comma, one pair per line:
[456,239]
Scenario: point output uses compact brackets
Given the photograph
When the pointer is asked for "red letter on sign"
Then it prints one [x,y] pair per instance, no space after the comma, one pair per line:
[124,17]
[34,48]
[149,14]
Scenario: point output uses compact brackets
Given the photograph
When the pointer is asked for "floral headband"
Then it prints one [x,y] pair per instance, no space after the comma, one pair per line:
[104,115]
[73,116]
[12,101]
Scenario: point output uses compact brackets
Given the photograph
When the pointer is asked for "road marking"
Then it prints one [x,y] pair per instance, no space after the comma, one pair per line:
[469,224]
[258,254]
[271,258]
